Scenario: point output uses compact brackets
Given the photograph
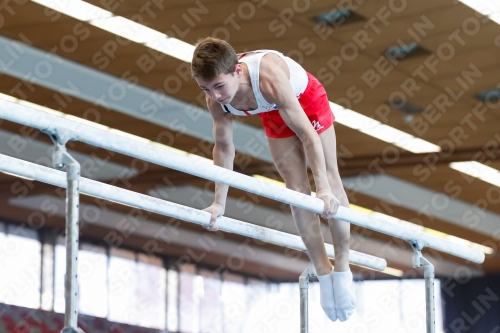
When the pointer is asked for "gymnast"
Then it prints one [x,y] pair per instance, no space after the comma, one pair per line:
[298,123]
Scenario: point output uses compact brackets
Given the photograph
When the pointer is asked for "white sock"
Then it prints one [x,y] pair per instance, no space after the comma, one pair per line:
[326,295]
[345,295]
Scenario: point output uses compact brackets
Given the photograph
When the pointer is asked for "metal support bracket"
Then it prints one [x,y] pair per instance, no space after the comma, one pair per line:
[59,136]
[62,159]
[417,246]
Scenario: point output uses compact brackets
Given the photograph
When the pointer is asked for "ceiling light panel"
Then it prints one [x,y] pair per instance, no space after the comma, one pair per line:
[484,7]
[122,27]
[495,17]
[418,146]
[173,47]
[478,170]
[78,9]
[381,131]
[128,29]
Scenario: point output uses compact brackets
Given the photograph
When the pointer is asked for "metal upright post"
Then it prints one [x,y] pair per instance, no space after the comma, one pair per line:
[429,294]
[418,262]
[61,159]
[304,299]
[304,296]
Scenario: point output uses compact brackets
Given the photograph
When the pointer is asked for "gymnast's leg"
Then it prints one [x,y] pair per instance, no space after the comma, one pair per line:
[290,160]
[343,285]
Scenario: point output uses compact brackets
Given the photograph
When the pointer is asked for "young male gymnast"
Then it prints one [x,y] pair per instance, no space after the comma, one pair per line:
[298,123]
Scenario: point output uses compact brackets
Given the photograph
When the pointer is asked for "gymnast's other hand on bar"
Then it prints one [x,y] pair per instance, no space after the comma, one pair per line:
[217,210]
[332,204]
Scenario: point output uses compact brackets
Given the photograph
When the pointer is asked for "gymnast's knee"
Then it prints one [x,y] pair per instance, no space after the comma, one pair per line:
[302,187]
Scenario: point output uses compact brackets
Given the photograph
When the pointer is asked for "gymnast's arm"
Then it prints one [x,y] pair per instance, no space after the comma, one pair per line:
[275,87]
[223,153]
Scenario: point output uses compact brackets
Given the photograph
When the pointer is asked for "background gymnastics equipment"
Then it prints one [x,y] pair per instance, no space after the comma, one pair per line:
[62,130]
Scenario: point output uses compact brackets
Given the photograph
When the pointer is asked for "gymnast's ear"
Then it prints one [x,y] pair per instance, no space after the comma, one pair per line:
[238,70]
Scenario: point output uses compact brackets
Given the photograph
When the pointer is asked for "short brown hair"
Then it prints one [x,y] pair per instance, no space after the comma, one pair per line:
[211,57]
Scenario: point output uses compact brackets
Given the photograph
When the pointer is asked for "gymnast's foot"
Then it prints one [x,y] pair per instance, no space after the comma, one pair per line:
[327,296]
[345,295]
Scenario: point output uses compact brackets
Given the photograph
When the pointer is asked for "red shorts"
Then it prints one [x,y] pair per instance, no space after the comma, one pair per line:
[315,104]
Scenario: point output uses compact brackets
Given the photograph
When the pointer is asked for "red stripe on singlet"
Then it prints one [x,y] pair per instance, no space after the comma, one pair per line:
[241,56]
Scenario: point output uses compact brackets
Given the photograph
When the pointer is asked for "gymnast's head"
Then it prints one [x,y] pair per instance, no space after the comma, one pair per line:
[216,69]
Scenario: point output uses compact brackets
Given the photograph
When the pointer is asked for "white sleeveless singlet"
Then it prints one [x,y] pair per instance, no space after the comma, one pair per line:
[298,80]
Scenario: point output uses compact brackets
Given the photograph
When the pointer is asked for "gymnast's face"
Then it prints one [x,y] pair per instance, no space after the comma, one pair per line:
[223,87]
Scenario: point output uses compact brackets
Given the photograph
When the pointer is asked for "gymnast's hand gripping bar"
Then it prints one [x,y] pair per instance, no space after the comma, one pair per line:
[85,133]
